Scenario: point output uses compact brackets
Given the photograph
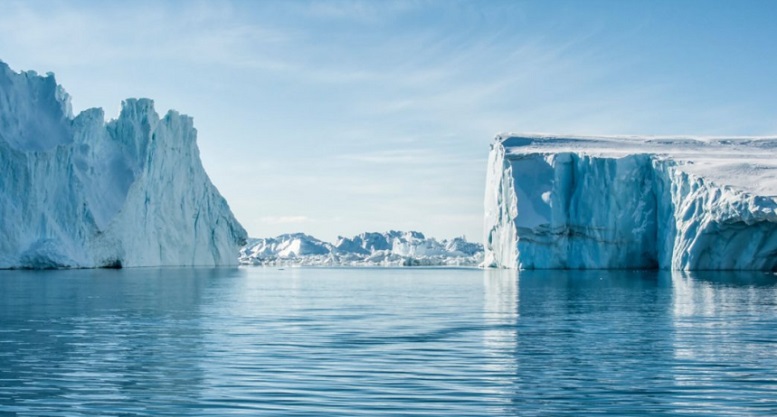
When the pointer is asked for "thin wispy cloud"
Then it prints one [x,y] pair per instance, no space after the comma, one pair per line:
[372,111]
[358,11]
[207,33]
[394,157]
[285,219]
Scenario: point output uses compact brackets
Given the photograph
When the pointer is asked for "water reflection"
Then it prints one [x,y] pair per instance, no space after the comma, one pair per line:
[633,342]
[709,293]
[84,341]
[500,315]
[725,345]
[584,342]
[387,342]
[500,310]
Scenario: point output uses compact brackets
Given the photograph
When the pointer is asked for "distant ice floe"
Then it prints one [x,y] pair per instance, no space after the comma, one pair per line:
[367,249]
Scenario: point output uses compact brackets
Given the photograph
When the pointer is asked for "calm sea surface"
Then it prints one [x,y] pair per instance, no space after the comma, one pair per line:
[374,342]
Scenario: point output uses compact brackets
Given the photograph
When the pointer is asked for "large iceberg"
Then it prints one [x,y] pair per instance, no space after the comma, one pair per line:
[393,248]
[631,202]
[77,192]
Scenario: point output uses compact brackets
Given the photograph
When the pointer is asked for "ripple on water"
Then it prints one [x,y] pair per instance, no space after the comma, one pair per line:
[386,342]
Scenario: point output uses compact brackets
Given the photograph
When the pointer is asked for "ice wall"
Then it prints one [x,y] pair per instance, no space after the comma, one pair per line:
[79,192]
[612,203]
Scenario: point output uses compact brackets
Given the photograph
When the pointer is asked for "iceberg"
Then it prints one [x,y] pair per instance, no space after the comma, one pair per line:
[631,202]
[77,192]
[287,246]
[393,248]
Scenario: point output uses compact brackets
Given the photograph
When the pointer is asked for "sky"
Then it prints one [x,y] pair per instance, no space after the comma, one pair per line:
[340,117]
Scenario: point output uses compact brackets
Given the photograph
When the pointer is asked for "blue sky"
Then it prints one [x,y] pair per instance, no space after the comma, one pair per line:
[337,117]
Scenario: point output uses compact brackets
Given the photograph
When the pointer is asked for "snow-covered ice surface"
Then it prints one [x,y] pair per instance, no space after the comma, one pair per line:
[77,192]
[392,248]
[631,202]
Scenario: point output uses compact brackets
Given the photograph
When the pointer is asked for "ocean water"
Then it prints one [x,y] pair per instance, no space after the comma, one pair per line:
[379,342]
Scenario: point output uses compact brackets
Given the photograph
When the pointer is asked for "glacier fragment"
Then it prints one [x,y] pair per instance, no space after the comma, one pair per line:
[631,202]
[393,248]
[77,192]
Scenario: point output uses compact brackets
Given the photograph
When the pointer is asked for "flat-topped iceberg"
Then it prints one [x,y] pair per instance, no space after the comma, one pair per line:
[631,202]
[77,192]
[392,248]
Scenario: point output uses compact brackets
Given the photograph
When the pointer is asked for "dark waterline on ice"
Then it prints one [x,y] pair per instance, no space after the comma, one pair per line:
[397,342]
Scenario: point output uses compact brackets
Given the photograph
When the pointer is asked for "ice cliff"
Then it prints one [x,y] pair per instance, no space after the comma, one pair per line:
[631,202]
[79,192]
[392,248]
